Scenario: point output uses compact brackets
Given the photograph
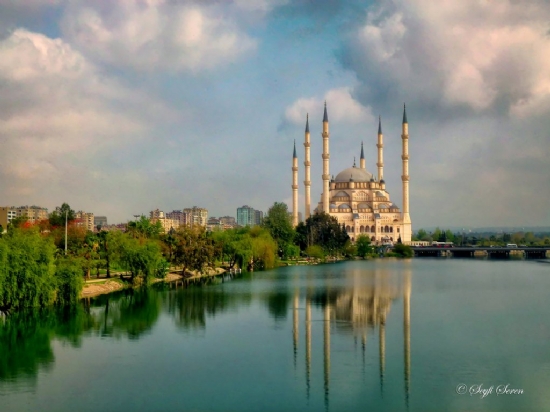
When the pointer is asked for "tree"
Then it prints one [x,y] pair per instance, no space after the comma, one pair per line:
[144,229]
[57,217]
[402,250]
[422,235]
[193,249]
[278,223]
[323,230]
[363,245]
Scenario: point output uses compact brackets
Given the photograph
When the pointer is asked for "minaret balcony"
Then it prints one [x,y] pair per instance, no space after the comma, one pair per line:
[325,156]
[405,178]
[405,157]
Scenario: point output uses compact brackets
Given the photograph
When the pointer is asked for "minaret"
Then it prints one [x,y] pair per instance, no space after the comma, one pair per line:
[326,157]
[295,188]
[380,147]
[307,164]
[407,231]
[362,158]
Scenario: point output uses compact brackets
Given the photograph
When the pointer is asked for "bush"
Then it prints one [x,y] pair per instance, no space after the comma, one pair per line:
[70,281]
[402,250]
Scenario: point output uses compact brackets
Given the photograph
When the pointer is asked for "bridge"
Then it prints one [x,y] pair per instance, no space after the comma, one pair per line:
[494,252]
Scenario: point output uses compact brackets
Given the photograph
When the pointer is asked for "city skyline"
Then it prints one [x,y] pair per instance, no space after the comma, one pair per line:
[119,107]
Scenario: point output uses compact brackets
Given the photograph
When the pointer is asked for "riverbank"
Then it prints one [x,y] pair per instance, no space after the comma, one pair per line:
[104,285]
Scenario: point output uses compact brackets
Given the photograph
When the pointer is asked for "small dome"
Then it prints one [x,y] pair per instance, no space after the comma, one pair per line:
[372,178]
[353,174]
[382,181]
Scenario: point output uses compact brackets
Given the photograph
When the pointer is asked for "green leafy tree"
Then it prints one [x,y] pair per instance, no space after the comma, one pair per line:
[363,245]
[278,223]
[68,274]
[315,251]
[323,230]
[402,250]
[193,249]
[57,217]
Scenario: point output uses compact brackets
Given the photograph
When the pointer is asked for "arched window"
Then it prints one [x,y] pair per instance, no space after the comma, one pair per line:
[372,239]
[367,229]
[348,229]
[397,230]
[361,229]
[391,229]
[361,196]
[373,229]
[386,229]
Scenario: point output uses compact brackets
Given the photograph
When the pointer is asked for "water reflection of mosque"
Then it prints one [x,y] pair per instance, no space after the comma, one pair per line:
[356,310]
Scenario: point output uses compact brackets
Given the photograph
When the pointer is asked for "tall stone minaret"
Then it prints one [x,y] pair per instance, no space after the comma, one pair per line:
[407,230]
[362,158]
[380,147]
[295,188]
[307,164]
[326,157]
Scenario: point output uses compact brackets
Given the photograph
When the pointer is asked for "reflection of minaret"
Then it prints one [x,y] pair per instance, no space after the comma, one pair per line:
[326,330]
[382,337]
[407,332]
[295,326]
[308,343]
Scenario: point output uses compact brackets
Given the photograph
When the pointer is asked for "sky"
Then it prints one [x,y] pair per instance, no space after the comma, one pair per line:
[121,107]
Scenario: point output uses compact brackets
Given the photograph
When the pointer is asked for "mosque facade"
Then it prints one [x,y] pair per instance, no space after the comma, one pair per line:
[357,198]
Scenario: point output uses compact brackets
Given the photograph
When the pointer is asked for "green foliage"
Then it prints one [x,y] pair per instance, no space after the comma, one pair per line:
[68,274]
[322,230]
[402,250]
[57,218]
[278,223]
[26,269]
[363,246]
[315,251]
[193,249]
[143,259]
[143,228]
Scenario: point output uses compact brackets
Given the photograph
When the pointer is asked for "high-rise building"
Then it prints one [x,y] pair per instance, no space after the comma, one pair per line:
[195,216]
[258,217]
[32,213]
[85,220]
[246,216]
[100,221]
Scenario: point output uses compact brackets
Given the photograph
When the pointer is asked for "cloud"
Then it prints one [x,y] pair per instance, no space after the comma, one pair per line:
[159,35]
[57,111]
[480,55]
[342,107]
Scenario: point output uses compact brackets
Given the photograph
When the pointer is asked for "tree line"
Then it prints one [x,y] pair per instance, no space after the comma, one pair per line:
[47,262]
[483,239]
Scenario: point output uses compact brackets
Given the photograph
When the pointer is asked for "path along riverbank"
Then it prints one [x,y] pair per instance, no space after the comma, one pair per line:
[103,285]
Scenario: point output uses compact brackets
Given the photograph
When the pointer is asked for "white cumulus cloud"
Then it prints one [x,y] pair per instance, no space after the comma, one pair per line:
[340,104]
[156,34]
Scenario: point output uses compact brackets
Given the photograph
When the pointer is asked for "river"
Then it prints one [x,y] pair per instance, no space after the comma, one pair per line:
[427,334]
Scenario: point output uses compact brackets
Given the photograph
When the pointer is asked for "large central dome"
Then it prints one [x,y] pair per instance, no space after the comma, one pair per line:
[355,173]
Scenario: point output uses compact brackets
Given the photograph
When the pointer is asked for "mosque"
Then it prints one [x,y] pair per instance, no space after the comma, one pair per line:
[355,197]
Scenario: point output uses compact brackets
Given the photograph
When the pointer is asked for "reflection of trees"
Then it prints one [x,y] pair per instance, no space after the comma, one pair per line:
[278,304]
[25,338]
[191,306]
[131,312]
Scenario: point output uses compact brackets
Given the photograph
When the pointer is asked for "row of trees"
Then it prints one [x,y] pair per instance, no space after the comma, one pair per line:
[47,262]
[484,239]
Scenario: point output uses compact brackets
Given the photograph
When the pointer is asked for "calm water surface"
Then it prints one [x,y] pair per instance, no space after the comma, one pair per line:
[382,335]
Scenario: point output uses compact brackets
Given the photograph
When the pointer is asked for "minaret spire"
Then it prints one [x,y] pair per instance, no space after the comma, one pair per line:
[294,187]
[380,146]
[326,157]
[406,233]
[307,164]
[362,158]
